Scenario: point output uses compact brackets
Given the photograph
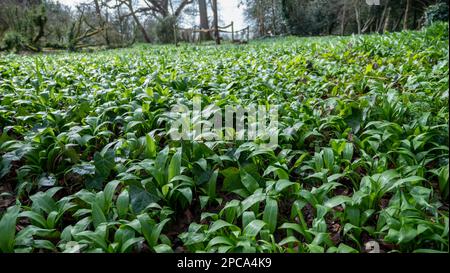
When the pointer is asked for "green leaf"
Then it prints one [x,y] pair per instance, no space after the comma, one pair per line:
[84,169]
[247,217]
[256,197]
[8,229]
[104,164]
[109,191]
[248,181]
[293,226]
[348,152]
[175,165]
[232,179]
[140,199]
[253,228]
[354,119]
[35,218]
[328,158]
[270,214]
[187,193]
[156,232]
[338,200]
[97,215]
[406,234]
[47,180]
[443,181]
[212,184]
[122,204]
[44,244]
[203,201]
[162,248]
[220,240]
[147,225]
[400,182]
[218,225]
[288,240]
[151,146]
[343,248]
[283,184]
[369,68]
[353,214]
[44,202]
[98,238]
[422,250]
[129,243]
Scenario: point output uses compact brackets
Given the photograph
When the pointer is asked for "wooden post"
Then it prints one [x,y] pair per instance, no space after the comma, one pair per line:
[232,31]
[216,22]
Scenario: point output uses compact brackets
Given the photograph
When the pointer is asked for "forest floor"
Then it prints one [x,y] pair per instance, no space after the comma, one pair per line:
[360,161]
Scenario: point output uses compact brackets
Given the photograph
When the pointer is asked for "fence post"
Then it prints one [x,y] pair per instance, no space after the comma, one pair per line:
[232,31]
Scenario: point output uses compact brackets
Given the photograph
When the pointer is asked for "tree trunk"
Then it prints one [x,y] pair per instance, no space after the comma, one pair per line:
[204,24]
[405,19]
[142,29]
[381,21]
[102,21]
[274,27]
[358,19]
[344,10]
[260,18]
[386,23]
[396,25]
[216,22]
[138,23]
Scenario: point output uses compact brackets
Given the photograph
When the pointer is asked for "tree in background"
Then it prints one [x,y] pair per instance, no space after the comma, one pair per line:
[23,23]
[34,24]
[437,12]
[204,20]
[266,16]
[325,17]
[31,24]
[166,13]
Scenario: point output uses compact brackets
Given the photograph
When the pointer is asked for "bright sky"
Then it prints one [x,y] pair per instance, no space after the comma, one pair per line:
[228,10]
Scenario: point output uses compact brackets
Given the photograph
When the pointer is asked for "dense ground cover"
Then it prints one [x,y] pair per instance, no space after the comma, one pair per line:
[87,164]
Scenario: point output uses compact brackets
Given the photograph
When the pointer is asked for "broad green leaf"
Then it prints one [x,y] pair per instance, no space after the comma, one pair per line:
[141,199]
[122,203]
[8,229]
[104,163]
[151,146]
[270,214]
[248,181]
[328,158]
[218,225]
[253,228]
[98,217]
[175,166]
[338,200]
[283,184]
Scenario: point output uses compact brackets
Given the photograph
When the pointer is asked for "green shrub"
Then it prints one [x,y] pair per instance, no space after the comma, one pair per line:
[165,30]
[435,13]
[13,41]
